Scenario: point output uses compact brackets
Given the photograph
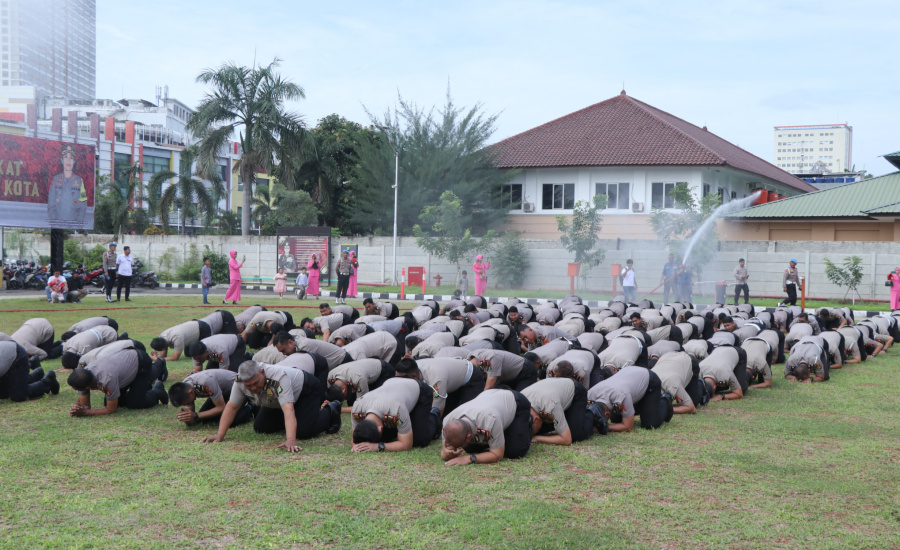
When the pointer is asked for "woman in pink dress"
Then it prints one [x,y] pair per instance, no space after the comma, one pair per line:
[313,266]
[234,276]
[351,289]
[894,277]
[480,270]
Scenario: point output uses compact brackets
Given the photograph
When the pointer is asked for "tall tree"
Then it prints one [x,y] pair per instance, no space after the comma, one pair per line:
[250,101]
[183,194]
[116,210]
[262,205]
[440,150]
[581,232]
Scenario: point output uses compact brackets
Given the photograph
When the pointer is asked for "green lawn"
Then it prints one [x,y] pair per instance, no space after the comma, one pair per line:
[795,466]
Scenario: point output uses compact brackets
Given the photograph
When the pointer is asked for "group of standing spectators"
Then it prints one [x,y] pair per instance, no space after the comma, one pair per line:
[118,271]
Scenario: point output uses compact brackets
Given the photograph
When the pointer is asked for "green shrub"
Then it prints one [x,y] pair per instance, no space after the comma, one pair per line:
[510,260]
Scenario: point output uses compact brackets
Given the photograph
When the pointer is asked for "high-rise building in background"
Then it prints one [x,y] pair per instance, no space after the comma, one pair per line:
[51,45]
[799,148]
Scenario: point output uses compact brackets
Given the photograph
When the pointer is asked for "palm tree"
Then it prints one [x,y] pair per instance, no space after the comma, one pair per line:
[118,202]
[251,101]
[184,193]
[228,222]
[262,205]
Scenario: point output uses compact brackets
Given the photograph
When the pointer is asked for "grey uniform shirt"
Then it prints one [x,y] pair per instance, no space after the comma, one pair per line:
[329,322]
[283,385]
[445,376]
[758,348]
[243,318]
[346,310]
[582,363]
[334,355]
[747,331]
[348,333]
[300,361]
[215,322]
[392,327]
[8,353]
[358,375]
[622,352]
[851,341]
[551,350]
[698,349]
[548,316]
[550,398]
[220,348]
[90,322]
[591,340]
[660,348]
[479,333]
[212,383]
[96,353]
[368,319]
[659,334]
[621,391]
[377,344]
[392,403]
[269,355]
[92,338]
[798,332]
[504,365]
[809,351]
[457,352]
[33,332]
[433,344]
[258,323]
[422,313]
[834,344]
[720,367]
[181,336]
[675,372]
[114,372]
[488,415]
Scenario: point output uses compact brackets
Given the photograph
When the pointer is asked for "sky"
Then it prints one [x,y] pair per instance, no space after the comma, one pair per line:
[740,68]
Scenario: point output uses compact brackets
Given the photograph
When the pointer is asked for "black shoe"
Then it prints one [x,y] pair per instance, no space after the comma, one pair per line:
[39,373]
[600,421]
[34,362]
[165,371]
[234,303]
[51,380]
[160,391]
[670,410]
[224,302]
[127,299]
[335,425]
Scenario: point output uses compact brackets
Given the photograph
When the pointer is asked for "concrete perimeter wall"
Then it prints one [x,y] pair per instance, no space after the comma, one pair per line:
[547,264]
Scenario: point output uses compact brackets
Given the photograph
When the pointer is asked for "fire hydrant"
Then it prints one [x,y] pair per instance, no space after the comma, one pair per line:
[437,279]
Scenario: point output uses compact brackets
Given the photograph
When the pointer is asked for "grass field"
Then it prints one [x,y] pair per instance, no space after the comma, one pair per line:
[795,466]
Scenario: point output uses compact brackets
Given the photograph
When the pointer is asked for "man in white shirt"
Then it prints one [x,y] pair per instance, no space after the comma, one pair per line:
[57,288]
[629,286]
[123,265]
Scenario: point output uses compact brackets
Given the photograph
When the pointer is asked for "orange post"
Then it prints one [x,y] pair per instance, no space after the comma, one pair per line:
[403,284]
[574,269]
[803,293]
[615,270]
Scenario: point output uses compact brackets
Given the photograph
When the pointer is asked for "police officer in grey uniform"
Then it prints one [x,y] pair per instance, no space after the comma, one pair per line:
[725,370]
[453,380]
[378,344]
[762,352]
[89,323]
[348,333]
[334,355]
[264,325]
[179,338]
[395,417]
[355,379]
[559,405]
[493,426]
[128,376]
[36,336]
[222,351]
[582,362]
[242,319]
[500,366]
[631,391]
[808,361]
[16,382]
[221,322]
[385,309]
[679,374]
[431,345]
[215,385]
[297,393]
[326,324]
[83,342]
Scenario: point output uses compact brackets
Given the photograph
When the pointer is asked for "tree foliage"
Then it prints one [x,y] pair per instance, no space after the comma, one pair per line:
[439,150]
[848,275]
[447,236]
[188,194]
[291,208]
[510,260]
[581,233]
[115,212]
[250,101]
[676,229]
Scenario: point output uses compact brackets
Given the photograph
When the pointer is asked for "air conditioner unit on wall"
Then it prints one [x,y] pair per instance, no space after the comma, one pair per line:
[528,206]
[637,207]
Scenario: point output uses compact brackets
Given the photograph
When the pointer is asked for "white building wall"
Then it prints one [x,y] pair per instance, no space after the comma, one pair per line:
[797,148]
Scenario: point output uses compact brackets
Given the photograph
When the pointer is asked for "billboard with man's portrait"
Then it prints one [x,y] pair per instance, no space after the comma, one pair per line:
[46,183]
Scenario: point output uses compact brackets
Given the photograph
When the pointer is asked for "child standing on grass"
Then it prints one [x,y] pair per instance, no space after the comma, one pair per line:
[301,282]
[280,282]
[462,284]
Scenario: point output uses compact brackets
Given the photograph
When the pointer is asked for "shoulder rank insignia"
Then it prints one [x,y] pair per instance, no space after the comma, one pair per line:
[104,389]
[392,421]
[547,417]
[482,436]
[272,387]
[201,390]
[358,415]
[436,393]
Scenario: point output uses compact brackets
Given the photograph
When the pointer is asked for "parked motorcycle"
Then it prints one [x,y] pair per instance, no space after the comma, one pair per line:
[145,278]
[95,278]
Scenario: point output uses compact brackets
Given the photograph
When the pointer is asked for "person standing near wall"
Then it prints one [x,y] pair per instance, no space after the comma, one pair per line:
[354,270]
[790,283]
[740,282]
[124,263]
[668,278]
[109,269]
[234,278]
[314,269]
[480,269]
[344,268]
[205,279]
[894,280]
[629,285]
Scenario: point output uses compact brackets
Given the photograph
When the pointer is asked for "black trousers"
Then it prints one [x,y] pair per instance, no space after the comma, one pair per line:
[791,295]
[312,419]
[740,370]
[110,283]
[579,419]
[693,388]
[18,384]
[466,392]
[526,377]
[229,325]
[320,368]
[424,424]
[745,288]
[667,290]
[205,330]
[652,408]
[244,414]
[342,285]
[139,394]
[53,348]
[289,321]
[387,372]
[123,280]
[518,434]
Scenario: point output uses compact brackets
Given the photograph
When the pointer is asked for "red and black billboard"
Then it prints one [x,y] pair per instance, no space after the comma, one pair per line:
[46,183]
[296,246]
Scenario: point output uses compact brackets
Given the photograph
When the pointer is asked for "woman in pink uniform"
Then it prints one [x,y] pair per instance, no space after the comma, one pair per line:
[894,277]
[351,289]
[313,266]
[234,276]
[480,270]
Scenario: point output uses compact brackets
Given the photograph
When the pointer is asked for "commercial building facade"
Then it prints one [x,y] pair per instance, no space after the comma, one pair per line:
[796,149]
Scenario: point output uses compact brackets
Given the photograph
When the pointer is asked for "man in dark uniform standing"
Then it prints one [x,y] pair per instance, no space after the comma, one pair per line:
[110,268]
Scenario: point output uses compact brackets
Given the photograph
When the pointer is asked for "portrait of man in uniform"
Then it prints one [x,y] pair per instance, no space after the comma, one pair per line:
[67,198]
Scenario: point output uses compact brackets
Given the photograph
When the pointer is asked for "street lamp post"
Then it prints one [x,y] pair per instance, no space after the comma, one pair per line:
[396,187]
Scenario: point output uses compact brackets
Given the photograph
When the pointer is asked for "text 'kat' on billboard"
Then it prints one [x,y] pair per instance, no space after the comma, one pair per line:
[46,183]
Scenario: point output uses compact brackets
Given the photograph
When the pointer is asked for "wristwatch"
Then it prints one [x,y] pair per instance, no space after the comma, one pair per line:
[473,458]
[381,447]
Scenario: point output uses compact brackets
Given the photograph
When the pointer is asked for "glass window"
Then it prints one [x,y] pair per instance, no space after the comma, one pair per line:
[121,163]
[511,195]
[617,194]
[558,196]
[661,195]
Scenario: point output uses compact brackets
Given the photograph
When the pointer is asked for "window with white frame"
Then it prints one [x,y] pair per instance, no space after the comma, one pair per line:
[661,194]
[511,196]
[558,196]
[618,195]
